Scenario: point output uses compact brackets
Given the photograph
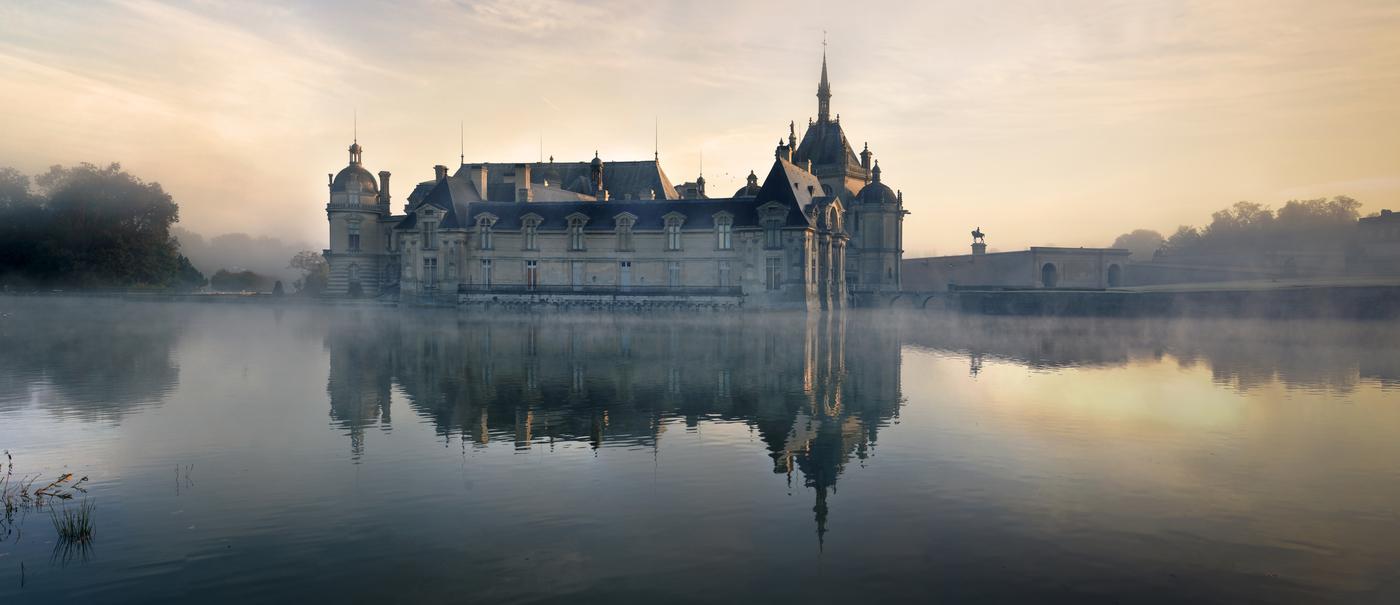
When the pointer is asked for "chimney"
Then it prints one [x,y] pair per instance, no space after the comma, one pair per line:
[477,173]
[384,186]
[522,183]
[440,172]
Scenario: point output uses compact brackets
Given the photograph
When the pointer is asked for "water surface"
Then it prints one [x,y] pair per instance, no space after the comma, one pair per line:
[249,453]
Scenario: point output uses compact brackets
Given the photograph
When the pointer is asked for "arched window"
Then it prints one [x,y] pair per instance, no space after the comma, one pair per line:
[484,231]
[1049,275]
[576,233]
[624,233]
[529,233]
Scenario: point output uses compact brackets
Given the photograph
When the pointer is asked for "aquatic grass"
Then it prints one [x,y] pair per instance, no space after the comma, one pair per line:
[18,496]
[74,524]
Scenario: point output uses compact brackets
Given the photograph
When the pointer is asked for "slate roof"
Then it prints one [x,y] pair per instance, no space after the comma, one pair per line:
[786,183]
[825,144]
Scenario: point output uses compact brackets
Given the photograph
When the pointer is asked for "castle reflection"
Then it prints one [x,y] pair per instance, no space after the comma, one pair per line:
[816,390]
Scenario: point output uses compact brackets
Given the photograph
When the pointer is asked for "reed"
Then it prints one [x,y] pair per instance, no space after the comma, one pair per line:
[74,524]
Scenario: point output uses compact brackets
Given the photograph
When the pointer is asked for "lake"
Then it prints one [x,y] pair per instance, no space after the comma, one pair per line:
[254,453]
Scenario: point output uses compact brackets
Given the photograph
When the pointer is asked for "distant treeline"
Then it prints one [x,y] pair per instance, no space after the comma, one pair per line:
[1249,230]
[88,226]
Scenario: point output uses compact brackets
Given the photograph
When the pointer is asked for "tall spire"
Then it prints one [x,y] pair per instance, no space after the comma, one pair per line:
[355,149]
[823,89]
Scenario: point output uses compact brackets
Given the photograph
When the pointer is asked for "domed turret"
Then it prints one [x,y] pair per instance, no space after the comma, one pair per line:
[876,192]
[354,178]
[751,189]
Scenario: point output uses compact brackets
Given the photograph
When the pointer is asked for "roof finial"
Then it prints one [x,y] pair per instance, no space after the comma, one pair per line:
[461,141]
[355,132]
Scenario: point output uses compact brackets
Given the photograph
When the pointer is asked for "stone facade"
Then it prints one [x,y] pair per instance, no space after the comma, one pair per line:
[820,226]
[1038,267]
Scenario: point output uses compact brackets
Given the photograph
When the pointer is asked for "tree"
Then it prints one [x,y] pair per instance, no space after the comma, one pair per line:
[239,281]
[1143,243]
[314,272]
[1251,233]
[88,226]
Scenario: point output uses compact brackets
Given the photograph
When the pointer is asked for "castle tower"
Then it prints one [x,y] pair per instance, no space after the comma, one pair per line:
[877,242]
[354,209]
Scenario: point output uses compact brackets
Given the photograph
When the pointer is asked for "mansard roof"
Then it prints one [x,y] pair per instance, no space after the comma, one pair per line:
[698,214]
[786,184]
[635,178]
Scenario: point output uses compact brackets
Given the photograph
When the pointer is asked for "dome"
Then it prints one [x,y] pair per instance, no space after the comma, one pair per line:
[751,188]
[354,173]
[877,193]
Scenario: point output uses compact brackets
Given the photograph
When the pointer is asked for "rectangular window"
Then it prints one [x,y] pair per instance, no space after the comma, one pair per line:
[673,274]
[724,231]
[772,236]
[528,241]
[429,235]
[354,238]
[724,274]
[814,269]
[486,271]
[532,274]
[774,273]
[429,272]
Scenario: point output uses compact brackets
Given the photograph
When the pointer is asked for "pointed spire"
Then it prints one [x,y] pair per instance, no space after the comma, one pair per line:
[823,90]
[355,150]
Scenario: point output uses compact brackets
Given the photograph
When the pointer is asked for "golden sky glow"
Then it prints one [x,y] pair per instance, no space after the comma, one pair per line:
[1043,123]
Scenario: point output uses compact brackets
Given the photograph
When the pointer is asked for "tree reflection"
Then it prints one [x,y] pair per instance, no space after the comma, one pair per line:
[106,359]
[815,389]
[1243,354]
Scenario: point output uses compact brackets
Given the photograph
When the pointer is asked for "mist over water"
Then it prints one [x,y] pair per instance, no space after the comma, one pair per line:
[247,452]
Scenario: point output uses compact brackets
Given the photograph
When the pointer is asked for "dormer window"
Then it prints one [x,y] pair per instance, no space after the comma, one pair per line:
[529,233]
[673,232]
[576,224]
[724,232]
[772,235]
[624,233]
[484,230]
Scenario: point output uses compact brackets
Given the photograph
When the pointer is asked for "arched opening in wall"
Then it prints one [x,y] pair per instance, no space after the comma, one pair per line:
[1049,275]
[1115,276]
[354,289]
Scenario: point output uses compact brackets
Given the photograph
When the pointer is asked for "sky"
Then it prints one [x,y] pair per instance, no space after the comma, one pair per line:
[1044,123]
